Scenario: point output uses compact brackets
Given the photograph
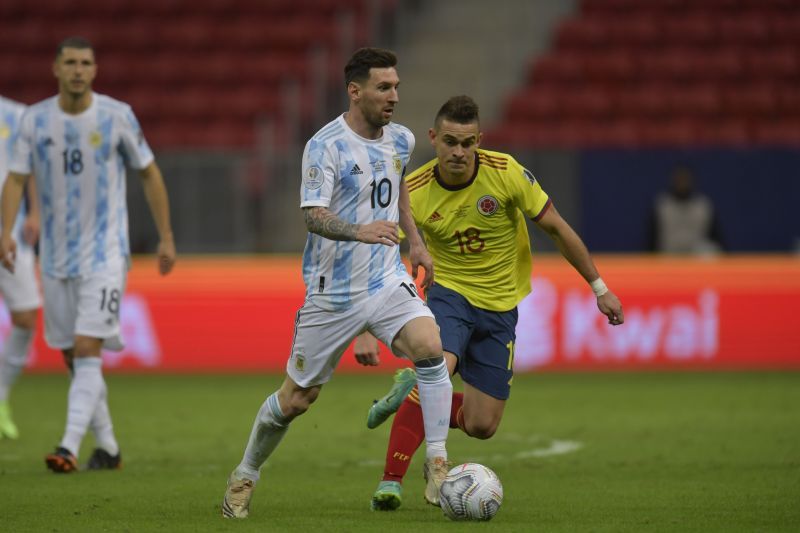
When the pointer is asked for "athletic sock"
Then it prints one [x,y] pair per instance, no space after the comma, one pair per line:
[101,424]
[15,353]
[435,398]
[84,392]
[407,433]
[268,429]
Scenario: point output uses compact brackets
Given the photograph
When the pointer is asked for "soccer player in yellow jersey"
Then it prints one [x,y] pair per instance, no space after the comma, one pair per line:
[470,204]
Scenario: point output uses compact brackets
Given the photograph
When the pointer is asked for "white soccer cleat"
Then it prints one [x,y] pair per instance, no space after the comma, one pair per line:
[236,503]
[435,471]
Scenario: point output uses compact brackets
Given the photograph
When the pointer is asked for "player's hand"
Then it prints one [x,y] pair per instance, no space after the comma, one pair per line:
[379,232]
[420,257]
[366,350]
[166,256]
[30,229]
[610,306]
[8,252]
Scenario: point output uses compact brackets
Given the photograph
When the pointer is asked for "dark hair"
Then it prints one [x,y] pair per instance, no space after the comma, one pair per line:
[363,59]
[80,43]
[459,109]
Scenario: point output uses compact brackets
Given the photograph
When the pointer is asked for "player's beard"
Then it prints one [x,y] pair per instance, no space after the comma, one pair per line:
[376,119]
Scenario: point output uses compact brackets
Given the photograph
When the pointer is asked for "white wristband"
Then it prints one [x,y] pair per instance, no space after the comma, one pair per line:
[599,287]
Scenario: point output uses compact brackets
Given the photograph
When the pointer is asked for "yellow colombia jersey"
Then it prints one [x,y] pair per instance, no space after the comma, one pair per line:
[476,232]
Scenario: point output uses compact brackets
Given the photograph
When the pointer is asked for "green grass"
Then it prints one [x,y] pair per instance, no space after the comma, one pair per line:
[658,452]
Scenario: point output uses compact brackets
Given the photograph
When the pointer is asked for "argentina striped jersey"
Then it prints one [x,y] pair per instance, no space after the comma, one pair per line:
[79,163]
[10,115]
[358,180]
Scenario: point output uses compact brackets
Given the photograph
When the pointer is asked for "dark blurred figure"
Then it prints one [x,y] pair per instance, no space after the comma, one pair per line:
[683,220]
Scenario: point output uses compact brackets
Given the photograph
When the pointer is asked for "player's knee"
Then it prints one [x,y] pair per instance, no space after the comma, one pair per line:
[481,429]
[300,401]
[428,349]
[24,319]
[481,432]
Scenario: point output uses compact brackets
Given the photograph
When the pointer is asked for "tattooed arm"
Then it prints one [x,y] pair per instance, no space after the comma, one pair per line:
[321,221]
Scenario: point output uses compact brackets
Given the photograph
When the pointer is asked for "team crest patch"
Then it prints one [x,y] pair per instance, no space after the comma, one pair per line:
[5,131]
[398,164]
[313,178]
[487,205]
[300,363]
[529,175]
[96,139]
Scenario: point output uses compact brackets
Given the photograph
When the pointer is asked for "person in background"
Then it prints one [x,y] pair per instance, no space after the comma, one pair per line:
[683,220]
[20,290]
[76,145]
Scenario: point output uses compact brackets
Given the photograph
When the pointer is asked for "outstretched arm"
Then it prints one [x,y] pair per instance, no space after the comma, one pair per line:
[156,193]
[574,250]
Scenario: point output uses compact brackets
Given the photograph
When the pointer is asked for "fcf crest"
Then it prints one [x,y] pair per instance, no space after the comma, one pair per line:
[487,205]
[300,363]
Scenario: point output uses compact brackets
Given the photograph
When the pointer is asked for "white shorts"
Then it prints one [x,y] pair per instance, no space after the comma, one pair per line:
[87,306]
[21,289]
[321,337]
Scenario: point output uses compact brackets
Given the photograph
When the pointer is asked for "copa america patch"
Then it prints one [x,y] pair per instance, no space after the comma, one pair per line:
[529,175]
[313,178]
[487,205]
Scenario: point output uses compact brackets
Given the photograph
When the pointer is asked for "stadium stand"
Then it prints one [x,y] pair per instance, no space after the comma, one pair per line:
[662,73]
[198,73]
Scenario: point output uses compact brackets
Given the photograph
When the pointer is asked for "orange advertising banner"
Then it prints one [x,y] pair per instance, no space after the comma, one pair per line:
[237,315]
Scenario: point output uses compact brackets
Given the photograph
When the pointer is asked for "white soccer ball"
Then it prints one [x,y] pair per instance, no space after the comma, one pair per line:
[471,492]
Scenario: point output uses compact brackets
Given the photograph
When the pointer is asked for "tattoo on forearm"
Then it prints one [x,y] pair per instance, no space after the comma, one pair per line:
[324,223]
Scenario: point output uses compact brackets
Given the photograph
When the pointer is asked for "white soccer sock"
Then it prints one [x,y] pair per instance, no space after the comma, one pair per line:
[435,398]
[84,393]
[18,343]
[268,429]
[101,424]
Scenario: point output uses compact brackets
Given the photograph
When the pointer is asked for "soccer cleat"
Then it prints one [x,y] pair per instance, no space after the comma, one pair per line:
[61,461]
[236,503]
[404,381]
[388,497]
[102,460]
[435,470]
[8,430]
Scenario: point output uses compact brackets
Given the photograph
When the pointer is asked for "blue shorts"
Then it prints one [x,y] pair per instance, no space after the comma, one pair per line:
[483,341]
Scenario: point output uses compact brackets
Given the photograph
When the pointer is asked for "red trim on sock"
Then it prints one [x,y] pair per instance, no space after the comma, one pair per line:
[457,411]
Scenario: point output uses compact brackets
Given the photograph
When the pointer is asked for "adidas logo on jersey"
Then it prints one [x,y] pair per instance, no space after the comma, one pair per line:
[356,170]
[435,217]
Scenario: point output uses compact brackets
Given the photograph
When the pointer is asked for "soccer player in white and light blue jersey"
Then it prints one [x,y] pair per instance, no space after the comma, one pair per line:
[21,289]
[354,201]
[77,144]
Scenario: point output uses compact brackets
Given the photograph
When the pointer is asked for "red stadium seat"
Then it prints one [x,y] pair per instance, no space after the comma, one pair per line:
[755,99]
[694,100]
[691,30]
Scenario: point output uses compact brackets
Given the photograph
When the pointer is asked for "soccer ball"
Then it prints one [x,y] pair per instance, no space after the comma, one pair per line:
[471,492]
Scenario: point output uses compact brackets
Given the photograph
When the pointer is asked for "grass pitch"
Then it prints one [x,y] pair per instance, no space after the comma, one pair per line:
[575,452]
